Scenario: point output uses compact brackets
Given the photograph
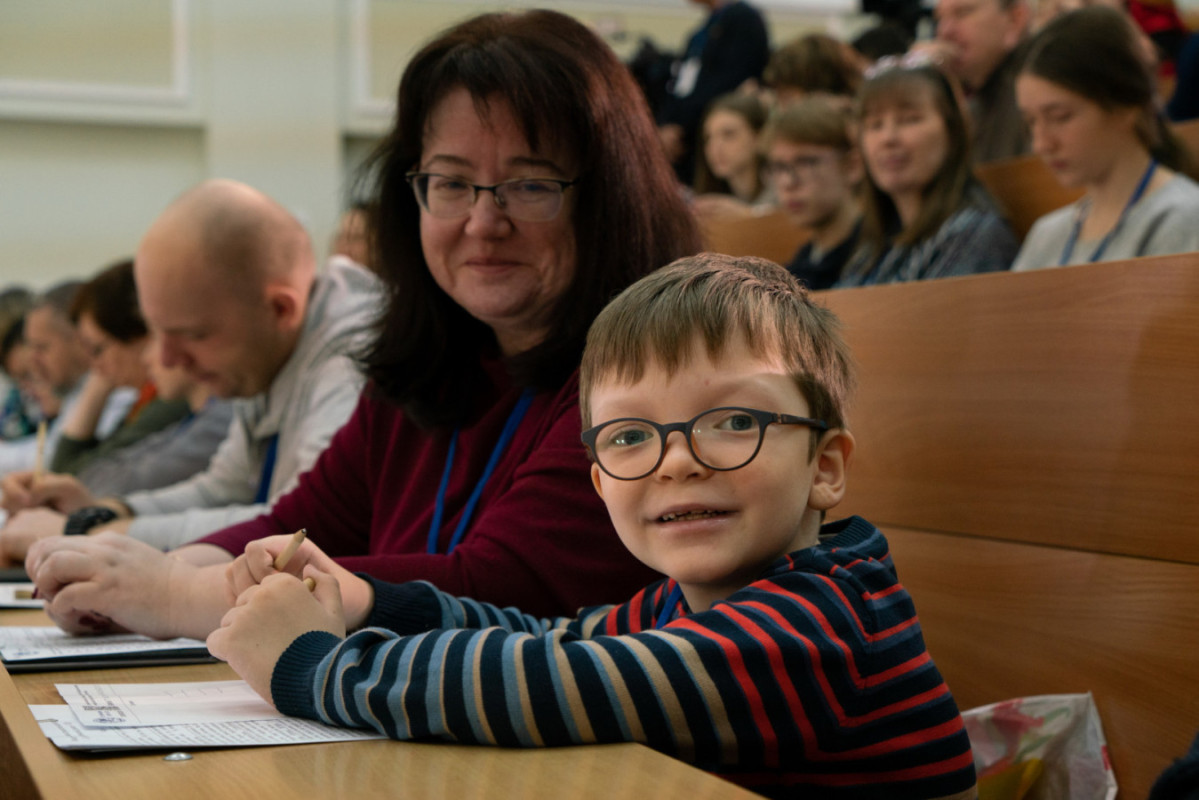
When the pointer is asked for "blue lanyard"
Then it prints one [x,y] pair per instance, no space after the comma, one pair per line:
[268,469]
[514,418]
[672,603]
[1078,219]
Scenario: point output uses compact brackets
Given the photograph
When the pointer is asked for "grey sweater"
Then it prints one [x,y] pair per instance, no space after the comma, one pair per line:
[1163,222]
[307,402]
[173,454]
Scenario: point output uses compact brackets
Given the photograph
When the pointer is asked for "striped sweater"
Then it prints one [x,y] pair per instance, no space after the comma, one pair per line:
[813,681]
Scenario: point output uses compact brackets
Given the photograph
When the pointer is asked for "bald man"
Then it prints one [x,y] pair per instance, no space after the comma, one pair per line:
[228,286]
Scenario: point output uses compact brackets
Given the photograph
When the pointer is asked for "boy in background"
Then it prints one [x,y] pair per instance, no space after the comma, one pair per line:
[816,173]
[781,654]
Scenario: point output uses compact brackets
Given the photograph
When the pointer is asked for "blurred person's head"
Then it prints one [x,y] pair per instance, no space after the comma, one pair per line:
[812,64]
[106,315]
[224,276]
[537,103]
[353,237]
[812,161]
[59,356]
[1087,114]
[730,156]
[16,359]
[981,33]
[886,39]
[15,302]
[914,140]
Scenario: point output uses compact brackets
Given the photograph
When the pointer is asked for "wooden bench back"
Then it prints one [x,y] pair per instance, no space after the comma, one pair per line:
[1025,189]
[771,236]
[1030,444]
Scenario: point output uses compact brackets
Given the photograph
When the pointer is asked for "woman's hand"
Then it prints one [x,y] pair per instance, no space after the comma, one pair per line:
[271,615]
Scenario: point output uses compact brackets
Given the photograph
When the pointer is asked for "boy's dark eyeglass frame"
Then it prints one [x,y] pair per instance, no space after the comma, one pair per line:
[764,419]
[419,181]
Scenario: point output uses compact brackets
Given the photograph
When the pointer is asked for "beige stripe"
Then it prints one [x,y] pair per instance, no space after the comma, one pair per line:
[570,689]
[636,730]
[476,673]
[684,740]
[526,706]
[717,714]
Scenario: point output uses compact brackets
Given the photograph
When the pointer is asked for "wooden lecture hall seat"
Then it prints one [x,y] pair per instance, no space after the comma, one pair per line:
[1030,444]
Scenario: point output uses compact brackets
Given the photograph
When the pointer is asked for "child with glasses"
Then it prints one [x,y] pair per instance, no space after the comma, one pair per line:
[816,172]
[780,653]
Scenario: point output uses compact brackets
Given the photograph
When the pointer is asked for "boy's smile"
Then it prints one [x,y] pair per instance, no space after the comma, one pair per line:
[715,531]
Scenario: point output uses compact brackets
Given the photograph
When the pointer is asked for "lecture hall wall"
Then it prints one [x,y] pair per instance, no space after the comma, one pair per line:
[110,109]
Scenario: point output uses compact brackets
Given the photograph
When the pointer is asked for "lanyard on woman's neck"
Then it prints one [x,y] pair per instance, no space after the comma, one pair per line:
[1137,193]
[672,603]
[514,419]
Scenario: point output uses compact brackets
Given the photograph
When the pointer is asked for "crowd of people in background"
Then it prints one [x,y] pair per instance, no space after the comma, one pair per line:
[416,399]
[997,80]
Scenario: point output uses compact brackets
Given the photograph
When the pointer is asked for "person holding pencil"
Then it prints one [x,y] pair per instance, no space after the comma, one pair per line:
[521,188]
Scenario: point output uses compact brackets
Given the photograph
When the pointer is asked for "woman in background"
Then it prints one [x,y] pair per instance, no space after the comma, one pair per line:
[728,175]
[1095,124]
[925,214]
[110,324]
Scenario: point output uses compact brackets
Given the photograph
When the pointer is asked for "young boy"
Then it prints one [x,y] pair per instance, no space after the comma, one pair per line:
[780,655]
[816,172]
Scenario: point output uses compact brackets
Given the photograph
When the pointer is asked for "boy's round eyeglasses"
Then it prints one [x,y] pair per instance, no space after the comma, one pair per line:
[800,169]
[525,199]
[722,439]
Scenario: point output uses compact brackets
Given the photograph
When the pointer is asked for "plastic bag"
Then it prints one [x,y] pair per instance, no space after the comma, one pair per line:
[1049,747]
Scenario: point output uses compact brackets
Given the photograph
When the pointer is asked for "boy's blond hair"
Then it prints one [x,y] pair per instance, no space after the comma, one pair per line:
[714,297]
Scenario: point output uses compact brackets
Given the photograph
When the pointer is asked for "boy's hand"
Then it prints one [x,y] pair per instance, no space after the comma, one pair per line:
[257,563]
[61,492]
[270,616]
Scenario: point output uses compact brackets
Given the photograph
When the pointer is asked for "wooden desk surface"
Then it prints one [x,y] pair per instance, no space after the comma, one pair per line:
[30,766]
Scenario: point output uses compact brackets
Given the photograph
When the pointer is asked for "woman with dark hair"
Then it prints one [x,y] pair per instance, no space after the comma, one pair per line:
[729,161]
[110,325]
[924,213]
[520,190]
[1096,124]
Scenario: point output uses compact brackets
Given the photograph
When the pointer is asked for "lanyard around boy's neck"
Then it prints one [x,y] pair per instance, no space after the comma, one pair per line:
[672,604]
[514,419]
[1137,193]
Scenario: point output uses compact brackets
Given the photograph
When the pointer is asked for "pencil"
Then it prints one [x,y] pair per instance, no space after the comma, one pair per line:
[292,546]
[310,583]
[39,463]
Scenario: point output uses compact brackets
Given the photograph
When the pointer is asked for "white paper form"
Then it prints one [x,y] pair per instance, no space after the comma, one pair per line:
[60,726]
[45,642]
[132,705]
[19,595]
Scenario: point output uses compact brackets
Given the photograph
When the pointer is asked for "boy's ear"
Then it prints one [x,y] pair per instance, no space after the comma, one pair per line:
[831,466]
[595,480]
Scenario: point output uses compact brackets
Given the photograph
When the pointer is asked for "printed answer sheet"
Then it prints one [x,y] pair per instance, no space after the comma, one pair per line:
[60,726]
[132,705]
[49,645]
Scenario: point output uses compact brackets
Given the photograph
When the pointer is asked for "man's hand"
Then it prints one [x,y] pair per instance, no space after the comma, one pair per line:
[25,528]
[270,616]
[60,492]
[109,582]
[257,563]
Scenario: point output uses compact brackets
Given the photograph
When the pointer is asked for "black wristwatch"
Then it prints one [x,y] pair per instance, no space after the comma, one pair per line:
[83,520]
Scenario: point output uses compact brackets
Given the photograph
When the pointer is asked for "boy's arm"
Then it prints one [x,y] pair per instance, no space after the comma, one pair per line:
[418,606]
[815,683]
